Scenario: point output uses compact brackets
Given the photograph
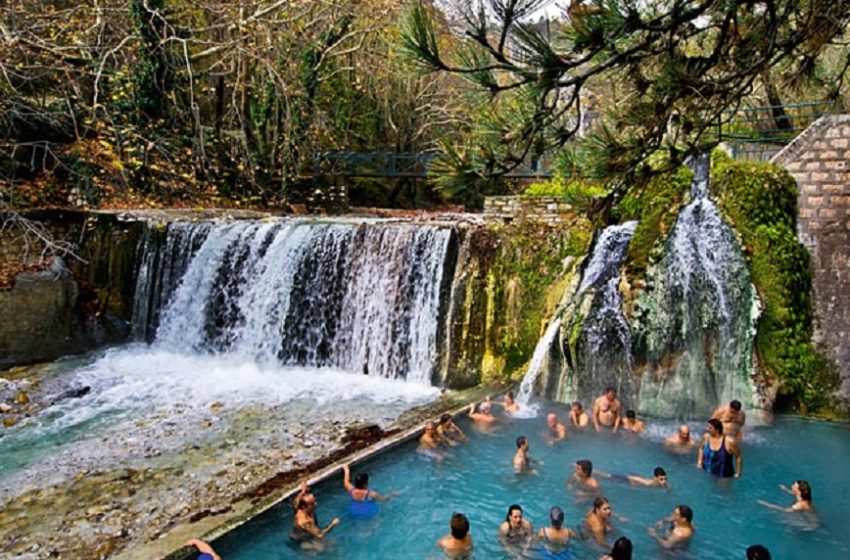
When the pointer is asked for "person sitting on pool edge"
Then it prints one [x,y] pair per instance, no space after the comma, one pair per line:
[555,537]
[719,453]
[514,530]
[458,543]
[582,479]
[598,520]
[305,526]
[681,528]
[622,550]
[802,491]
[632,424]
[578,416]
[449,432]
[681,442]
[364,502]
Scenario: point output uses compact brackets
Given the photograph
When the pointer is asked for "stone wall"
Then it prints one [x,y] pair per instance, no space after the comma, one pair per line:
[819,160]
[550,209]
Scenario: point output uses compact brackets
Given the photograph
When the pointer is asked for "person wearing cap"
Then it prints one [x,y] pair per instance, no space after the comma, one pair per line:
[556,537]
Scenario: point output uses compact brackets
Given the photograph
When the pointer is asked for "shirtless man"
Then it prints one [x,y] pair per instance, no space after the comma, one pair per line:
[449,432]
[557,430]
[514,530]
[598,520]
[305,527]
[681,528]
[733,419]
[578,416]
[802,492]
[585,485]
[429,439]
[458,543]
[522,462]
[508,403]
[681,442]
[632,424]
[606,410]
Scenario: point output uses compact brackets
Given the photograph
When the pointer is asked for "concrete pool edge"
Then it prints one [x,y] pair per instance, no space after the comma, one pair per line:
[215,525]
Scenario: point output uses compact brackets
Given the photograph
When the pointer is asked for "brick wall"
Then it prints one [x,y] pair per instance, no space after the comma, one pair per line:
[540,208]
[819,160]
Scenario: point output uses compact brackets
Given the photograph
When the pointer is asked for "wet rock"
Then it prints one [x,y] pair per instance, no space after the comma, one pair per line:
[72,394]
[5,408]
[9,422]
[22,398]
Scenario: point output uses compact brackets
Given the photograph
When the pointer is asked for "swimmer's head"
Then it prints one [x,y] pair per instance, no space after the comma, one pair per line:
[686,512]
[307,501]
[610,392]
[551,419]
[459,526]
[735,405]
[484,407]
[445,418]
[521,442]
[361,481]
[509,396]
[630,414]
[556,516]
[717,425]
[514,514]
[758,552]
[585,466]
[805,490]
[429,426]
[602,506]
[660,474]
[622,549]
[577,406]
[684,432]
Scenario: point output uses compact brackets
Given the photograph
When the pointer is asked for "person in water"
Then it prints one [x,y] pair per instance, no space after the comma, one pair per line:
[305,526]
[622,550]
[508,403]
[206,552]
[802,492]
[733,419]
[429,442]
[364,502]
[606,410]
[632,424]
[449,432]
[681,528]
[680,442]
[719,453]
[583,481]
[556,537]
[522,462]
[758,552]
[514,530]
[557,430]
[658,480]
[598,520]
[458,543]
[481,413]
[578,416]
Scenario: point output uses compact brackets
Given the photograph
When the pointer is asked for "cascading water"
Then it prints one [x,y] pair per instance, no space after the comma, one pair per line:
[694,321]
[544,345]
[599,339]
[361,298]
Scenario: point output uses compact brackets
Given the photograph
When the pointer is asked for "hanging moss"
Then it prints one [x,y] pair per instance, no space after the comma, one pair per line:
[761,201]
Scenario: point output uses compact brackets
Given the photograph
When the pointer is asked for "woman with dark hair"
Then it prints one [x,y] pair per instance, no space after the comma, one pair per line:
[718,453]
[515,531]
[622,550]
[802,491]
[555,537]
[364,502]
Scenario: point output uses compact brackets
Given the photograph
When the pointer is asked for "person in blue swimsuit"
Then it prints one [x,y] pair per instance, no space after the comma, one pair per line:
[364,502]
[719,454]
[556,538]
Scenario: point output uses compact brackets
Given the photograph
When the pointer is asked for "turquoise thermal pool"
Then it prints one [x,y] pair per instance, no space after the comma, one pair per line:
[477,479]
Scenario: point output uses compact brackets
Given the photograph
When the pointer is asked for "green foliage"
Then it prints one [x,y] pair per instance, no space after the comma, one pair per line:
[761,201]
[576,192]
[654,204]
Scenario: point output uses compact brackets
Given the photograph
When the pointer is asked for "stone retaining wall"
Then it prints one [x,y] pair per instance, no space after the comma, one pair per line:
[549,209]
[819,160]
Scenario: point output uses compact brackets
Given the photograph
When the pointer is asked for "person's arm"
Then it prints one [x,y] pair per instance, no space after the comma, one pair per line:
[382,497]
[673,540]
[775,507]
[202,547]
[786,489]
[596,415]
[297,500]
[616,421]
[570,482]
[346,478]
[459,432]
[640,481]
[699,452]
[599,534]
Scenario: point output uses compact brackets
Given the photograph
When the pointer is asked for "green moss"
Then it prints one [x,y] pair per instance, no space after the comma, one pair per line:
[655,205]
[578,193]
[761,201]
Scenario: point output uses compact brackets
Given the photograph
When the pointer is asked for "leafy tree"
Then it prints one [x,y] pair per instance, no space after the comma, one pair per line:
[679,65]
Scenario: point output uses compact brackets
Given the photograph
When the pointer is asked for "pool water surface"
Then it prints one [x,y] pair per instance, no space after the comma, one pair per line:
[477,479]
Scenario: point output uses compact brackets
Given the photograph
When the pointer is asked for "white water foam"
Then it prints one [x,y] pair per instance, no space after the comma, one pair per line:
[526,409]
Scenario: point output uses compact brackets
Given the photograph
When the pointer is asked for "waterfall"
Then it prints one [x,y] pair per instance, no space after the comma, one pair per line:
[599,343]
[526,388]
[693,323]
[357,296]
